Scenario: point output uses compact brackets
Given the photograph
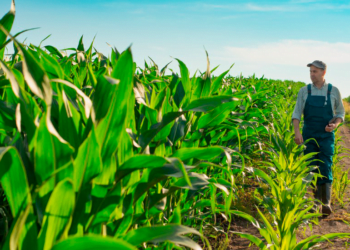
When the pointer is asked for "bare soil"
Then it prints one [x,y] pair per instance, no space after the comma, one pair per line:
[331,224]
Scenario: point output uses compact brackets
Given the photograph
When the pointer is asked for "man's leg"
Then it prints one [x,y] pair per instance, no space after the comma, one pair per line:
[312,147]
[318,194]
[326,198]
[326,156]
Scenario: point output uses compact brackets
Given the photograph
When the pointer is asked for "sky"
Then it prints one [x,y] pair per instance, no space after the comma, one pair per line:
[274,39]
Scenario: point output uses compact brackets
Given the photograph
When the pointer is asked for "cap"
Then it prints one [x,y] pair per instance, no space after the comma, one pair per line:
[318,64]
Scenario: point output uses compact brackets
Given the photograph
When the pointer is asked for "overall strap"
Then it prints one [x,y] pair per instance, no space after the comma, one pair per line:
[309,89]
[329,90]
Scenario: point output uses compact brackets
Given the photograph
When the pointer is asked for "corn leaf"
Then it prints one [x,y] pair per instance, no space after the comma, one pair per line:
[93,242]
[57,216]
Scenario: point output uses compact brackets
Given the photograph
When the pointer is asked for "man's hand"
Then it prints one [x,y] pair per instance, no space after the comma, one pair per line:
[330,127]
[298,138]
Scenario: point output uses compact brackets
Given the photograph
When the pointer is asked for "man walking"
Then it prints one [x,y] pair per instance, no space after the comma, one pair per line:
[323,110]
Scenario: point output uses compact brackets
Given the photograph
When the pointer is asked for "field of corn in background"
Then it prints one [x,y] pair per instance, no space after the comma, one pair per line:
[97,152]
[346,102]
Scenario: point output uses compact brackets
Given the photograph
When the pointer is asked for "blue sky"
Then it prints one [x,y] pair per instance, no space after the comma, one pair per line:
[271,38]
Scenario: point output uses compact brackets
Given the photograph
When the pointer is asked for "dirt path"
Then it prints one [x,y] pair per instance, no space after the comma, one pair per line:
[331,224]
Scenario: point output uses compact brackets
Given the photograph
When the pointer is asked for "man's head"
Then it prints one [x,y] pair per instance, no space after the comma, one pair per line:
[317,71]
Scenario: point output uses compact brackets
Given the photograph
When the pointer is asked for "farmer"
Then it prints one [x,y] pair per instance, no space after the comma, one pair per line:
[323,110]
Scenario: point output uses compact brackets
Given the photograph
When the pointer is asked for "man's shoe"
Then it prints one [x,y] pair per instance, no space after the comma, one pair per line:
[326,210]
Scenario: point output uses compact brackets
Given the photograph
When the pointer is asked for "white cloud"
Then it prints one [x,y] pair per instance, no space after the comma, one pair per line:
[292,52]
[268,8]
[303,1]
[250,7]
[292,6]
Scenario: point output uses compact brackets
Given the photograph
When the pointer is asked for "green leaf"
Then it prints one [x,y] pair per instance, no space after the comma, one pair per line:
[14,180]
[157,234]
[198,153]
[87,102]
[258,242]
[35,75]
[70,124]
[272,233]
[179,164]
[89,51]
[139,162]
[162,71]
[128,212]
[18,228]
[16,88]
[93,242]
[178,130]
[217,115]
[201,204]
[205,92]
[58,213]
[179,93]
[114,56]
[176,217]
[147,137]
[104,92]
[109,130]
[314,239]
[2,47]
[50,154]
[186,83]
[268,179]
[81,45]
[7,115]
[47,37]
[28,107]
[6,23]
[198,181]
[87,164]
[150,177]
[217,82]
[15,185]
[50,64]
[208,103]
[54,51]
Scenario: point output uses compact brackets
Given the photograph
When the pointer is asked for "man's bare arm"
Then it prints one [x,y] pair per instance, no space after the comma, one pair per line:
[298,136]
[338,121]
[333,125]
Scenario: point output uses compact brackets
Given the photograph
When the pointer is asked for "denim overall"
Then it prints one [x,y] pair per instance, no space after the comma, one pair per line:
[317,113]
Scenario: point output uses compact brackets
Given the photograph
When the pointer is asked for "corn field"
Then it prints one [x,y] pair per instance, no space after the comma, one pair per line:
[97,152]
